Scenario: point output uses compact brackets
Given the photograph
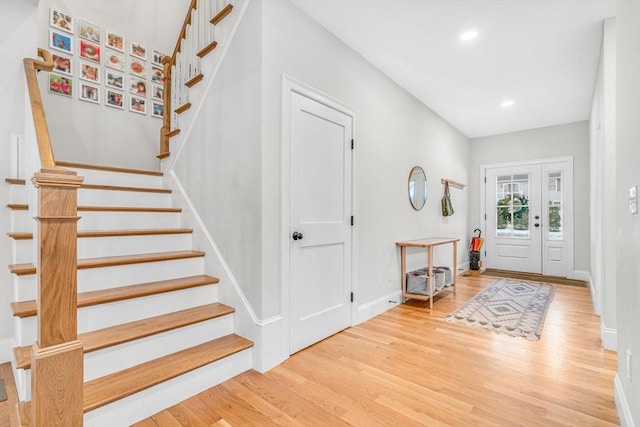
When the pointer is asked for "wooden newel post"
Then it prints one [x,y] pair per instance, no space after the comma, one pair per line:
[57,356]
[167,63]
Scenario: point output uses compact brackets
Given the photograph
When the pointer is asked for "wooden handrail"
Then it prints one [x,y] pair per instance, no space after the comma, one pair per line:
[31,68]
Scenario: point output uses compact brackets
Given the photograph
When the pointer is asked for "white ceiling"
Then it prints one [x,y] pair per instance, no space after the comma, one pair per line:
[542,54]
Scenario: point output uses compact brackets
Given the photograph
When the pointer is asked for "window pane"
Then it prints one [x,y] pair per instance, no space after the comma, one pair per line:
[503,221]
[555,206]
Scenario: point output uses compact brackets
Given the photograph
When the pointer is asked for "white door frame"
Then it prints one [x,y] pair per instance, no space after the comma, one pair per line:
[290,85]
[569,228]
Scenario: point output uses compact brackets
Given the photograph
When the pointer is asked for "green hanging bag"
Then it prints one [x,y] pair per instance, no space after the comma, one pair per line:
[447,206]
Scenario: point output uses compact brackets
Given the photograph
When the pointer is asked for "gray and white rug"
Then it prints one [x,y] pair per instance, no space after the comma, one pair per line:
[508,306]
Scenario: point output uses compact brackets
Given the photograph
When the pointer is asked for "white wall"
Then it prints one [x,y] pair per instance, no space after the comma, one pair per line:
[602,125]
[628,226]
[394,133]
[556,141]
[18,21]
[92,133]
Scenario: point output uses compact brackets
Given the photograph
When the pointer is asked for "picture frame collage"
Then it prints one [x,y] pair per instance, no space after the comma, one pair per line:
[97,65]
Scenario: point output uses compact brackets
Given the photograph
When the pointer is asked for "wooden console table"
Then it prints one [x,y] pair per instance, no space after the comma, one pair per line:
[427,243]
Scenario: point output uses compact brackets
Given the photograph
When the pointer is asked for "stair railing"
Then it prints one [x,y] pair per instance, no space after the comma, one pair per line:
[182,69]
[57,355]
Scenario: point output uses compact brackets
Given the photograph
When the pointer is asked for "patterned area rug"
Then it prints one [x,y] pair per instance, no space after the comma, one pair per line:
[508,306]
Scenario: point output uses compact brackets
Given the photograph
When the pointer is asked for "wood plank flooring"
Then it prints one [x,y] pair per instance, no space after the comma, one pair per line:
[409,367]
[7,411]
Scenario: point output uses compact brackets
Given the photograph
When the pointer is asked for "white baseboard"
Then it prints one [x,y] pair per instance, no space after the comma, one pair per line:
[609,337]
[373,308]
[581,275]
[6,345]
[624,409]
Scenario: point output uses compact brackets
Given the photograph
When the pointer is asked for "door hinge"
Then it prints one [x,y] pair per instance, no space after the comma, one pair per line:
[485,179]
[351,296]
[485,253]
[485,216]
[352,220]
[352,144]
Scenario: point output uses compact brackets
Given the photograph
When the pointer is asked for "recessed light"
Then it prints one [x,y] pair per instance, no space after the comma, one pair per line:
[507,104]
[469,35]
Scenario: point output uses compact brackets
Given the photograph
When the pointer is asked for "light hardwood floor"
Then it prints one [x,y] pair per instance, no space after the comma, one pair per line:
[409,367]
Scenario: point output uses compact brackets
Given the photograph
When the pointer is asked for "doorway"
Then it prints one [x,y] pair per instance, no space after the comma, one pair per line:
[320,209]
[528,216]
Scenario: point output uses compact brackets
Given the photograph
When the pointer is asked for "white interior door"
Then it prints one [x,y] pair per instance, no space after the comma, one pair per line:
[320,219]
[528,220]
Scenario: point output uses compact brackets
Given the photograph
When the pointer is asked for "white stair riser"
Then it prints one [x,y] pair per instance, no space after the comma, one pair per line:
[93,279]
[127,220]
[23,383]
[147,402]
[22,251]
[105,315]
[89,247]
[88,197]
[21,221]
[123,356]
[17,193]
[117,178]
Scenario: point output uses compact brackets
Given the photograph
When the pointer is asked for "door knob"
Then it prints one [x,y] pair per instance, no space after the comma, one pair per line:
[536,225]
[297,236]
[537,217]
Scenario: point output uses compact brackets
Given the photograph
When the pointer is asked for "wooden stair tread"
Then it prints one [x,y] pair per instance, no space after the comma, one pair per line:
[124,188]
[25,207]
[86,299]
[194,80]
[20,236]
[15,181]
[126,332]
[114,233]
[222,14]
[181,109]
[107,389]
[207,49]
[107,168]
[126,209]
[29,268]
[18,206]
[173,133]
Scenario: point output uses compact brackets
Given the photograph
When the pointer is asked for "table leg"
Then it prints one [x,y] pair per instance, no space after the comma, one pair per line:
[403,261]
[455,267]
[430,264]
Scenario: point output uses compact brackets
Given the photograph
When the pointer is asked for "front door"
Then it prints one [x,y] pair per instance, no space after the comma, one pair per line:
[320,221]
[528,220]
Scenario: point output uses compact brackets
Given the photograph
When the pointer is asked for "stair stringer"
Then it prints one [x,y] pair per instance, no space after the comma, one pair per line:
[270,336]
[209,67]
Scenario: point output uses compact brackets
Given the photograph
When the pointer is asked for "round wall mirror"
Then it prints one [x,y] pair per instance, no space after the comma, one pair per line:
[417,188]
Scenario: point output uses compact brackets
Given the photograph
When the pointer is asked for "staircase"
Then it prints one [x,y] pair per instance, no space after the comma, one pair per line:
[149,321]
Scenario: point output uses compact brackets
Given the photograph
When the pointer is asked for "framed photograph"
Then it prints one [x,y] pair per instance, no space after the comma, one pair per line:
[157,92]
[114,80]
[89,93]
[138,50]
[137,86]
[114,99]
[114,60]
[157,57]
[138,68]
[137,105]
[60,41]
[61,85]
[89,72]
[157,75]
[62,64]
[115,41]
[89,51]
[89,31]
[157,110]
[60,20]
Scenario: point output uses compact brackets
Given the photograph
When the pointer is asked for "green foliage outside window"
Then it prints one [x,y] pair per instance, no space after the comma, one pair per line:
[514,206]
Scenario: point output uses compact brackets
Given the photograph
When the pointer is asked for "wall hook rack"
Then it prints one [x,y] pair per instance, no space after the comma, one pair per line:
[453,183]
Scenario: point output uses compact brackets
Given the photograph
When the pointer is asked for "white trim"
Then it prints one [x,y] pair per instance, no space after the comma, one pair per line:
[291,85]
[622,404]
[6,345]
[17,155]
[609,337]
[586,276]
[378,306]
